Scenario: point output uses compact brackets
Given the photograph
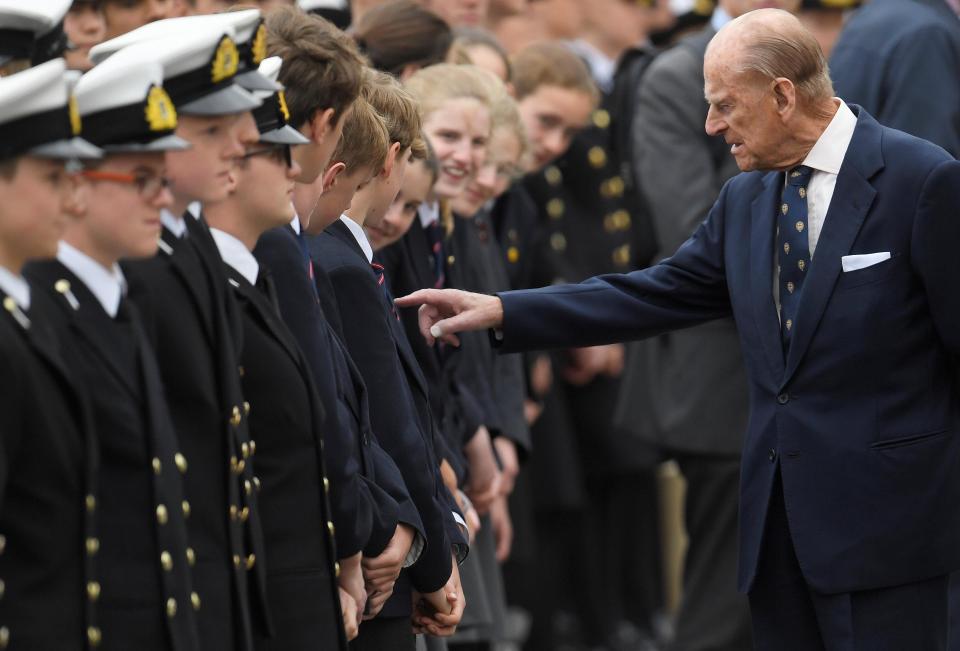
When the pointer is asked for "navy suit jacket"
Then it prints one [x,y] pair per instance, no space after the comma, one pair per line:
[862,414]
[900,60]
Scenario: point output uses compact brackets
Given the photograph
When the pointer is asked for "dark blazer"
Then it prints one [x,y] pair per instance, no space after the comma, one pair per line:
[685,390]
[861,415]
[48,460]
[146,598]
[899,60]
[286,423]
[356,512]
[402,423]
[183,299]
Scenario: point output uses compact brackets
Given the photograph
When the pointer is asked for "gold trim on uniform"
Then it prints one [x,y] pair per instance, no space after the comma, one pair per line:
[74,109]
[553,175]
[555,208]
[597,157]
[259,47]
[226,60]
[160,112]
[601,119]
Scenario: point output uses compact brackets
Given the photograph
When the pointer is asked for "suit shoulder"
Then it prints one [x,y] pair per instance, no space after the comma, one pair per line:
[909,154]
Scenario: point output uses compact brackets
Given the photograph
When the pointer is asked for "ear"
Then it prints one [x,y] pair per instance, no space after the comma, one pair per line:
[408,71]
[785,94]
[390,160]
[320,125]
[330,176]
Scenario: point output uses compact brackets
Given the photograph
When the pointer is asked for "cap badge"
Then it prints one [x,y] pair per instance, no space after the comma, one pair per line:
[226,60]
[259,48]
[74,111]
[282,100]
[160,112]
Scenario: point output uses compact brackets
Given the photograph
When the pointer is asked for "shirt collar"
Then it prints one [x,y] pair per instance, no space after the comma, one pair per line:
[107,285]
[429,212]
[719,19]
[295,223]
[602,67]
[236,254]
[828,152]
[16,288]
[359,235]
[195,208]
[173,223]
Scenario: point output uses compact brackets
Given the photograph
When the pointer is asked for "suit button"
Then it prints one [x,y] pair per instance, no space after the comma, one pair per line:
[181,462]
[162,515]
[93,546]
[166,561]
[195,600]
[91,503]
[191,557]
[93,590]
[3,588]
[783,398]
[94,636]
[171,607]
[4,637]
[186,508]
[251,561]
[772,455]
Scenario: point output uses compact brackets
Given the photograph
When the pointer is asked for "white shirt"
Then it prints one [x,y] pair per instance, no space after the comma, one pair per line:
[236,254]
[429,212]
[719,19]
[107,285]
[172,223]
[825,159]
[602,68]
[195,208]
[360,236]
[16,288]
[295,223]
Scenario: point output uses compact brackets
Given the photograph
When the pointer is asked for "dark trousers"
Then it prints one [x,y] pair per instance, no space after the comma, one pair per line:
[713,615]
[788,615]
[385,634]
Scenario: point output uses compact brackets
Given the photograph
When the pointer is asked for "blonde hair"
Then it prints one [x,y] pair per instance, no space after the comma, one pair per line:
[435,85]
[365,140]
[398,109]
[551,64]
[506,115]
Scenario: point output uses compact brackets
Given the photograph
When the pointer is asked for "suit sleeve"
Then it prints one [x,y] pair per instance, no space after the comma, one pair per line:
[679,292]
[370,343]
[933,250]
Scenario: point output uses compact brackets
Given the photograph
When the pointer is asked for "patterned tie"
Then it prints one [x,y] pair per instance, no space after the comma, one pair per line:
[381,280]
[793,247]
[435,240]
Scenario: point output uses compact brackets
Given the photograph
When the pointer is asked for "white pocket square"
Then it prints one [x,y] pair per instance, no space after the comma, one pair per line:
[854,262]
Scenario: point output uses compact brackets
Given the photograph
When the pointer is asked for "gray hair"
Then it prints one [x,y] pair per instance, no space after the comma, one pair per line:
[793,54]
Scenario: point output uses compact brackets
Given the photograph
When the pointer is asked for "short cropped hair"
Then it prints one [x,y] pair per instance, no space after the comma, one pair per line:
[398,108]
[321,66]
[365,140]
[402,33]
[794,55]
[551,64]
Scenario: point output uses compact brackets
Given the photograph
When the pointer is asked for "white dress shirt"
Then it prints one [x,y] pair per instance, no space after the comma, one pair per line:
[16,288]
[360,236]
[107,285]
[825,159]
[173,223]
[295,223]
[429,212]
[236,254]
[602,68]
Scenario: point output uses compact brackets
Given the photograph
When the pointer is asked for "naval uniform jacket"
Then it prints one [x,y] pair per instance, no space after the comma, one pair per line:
[192,322]
[357,516]
[48,459]
[286,422]
[146,599]
[403,424]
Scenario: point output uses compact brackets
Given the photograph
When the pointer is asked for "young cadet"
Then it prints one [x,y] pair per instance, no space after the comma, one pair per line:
[321,75]
[32,33]
[182,296]
[303,597]
[47,448]
[144,597]
[402,422]
[365,516]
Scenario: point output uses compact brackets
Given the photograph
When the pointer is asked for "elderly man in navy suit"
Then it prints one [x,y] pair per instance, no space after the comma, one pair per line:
[836,255]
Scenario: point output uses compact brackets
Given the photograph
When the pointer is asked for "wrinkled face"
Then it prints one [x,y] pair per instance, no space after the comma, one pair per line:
[31,216]
[403,210]
[123,219]
[461,13]
[743,110]
[203,172]
[85,27]
[494,177]
[552,117]
[385,188]
[124,16]
[336,200]
[265,183]
[737,8]
[458,131]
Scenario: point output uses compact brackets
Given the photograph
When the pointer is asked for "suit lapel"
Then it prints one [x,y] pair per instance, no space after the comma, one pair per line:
[263,311]
[188,266]
[849,206]
[762,228]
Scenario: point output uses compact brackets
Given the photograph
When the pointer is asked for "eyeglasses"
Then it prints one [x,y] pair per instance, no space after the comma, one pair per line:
[281,153]
[148,185]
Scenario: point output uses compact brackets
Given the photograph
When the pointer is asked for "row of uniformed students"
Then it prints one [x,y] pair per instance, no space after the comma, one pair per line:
[220,442]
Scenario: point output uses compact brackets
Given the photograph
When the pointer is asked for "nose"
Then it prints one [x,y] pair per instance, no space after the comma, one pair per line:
[158,9]
[487,177]
[294,171]
[462,153]
[164,199]
[714,125]
[556,143]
